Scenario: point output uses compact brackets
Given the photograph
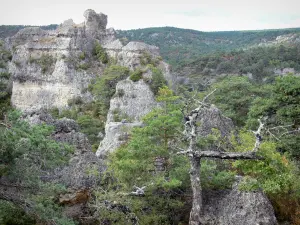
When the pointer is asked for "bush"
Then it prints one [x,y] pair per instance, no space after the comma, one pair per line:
[2,65]
[82,56]
[45,62]
[100,53]
[75,101]
[91,127]
[158,80]
[5,75]
[136,75]
[83,66]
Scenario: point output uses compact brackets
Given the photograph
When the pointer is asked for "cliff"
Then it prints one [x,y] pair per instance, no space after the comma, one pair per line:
[50,68]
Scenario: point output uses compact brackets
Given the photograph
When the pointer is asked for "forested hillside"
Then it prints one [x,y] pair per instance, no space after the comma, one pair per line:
[259,63]
[10,30]
[180,46]
[108,134]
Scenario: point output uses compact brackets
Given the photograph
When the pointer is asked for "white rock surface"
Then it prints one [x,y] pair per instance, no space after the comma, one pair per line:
[137,101]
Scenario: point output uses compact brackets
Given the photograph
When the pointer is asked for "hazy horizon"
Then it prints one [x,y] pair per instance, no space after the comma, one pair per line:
[214,15]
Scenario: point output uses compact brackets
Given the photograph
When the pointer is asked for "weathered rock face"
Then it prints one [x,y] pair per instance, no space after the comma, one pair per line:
[84,168]
[212,118]
[233,207]
[132,101]
[130,54]
[46,64]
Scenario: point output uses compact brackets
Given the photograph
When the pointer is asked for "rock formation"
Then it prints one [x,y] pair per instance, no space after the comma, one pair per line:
[232,207]
[126,111]
[47,65]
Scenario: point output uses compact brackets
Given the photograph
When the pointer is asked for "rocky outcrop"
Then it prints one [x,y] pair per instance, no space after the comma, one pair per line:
[130,55]
[233,207]
[84,168]
[132,101]
[46,64]
[212,118]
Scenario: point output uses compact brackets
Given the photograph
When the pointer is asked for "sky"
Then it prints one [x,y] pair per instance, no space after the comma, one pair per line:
[203,15]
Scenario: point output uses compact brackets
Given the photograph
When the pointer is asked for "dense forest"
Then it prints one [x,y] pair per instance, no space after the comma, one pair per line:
[147,180]
[10,30]
[180,46]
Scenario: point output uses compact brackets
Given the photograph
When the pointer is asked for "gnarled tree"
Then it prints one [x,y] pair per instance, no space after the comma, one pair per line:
[192,133]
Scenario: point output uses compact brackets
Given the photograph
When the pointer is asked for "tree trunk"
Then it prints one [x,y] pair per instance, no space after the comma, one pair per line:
[197,192]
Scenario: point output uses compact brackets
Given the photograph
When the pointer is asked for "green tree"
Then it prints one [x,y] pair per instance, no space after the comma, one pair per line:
[151,141]
[26,154]
[100,53]
[281,107]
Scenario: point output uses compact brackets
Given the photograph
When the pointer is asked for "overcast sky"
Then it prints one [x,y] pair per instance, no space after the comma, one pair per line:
[204,15]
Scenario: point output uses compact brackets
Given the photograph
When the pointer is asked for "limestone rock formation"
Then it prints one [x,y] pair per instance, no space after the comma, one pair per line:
[46,64]
[76,174]
[132,101]
[130,54]
[233,207]
[47,67]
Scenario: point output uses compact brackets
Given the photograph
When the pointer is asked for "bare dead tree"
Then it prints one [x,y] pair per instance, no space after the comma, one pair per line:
[196,154]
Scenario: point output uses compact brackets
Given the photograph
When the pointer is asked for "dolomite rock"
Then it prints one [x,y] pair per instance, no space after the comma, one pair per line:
[75,175]
[130,54]
[95,22]
[51,84]
[47,84]
[233,207]
[136,101]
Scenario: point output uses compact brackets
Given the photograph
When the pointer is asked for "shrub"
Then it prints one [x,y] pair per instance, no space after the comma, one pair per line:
[158,79]
[100,53]
[136,75]
[91,127]
[75,101]
[46,61]
[146,59]
[82,56]
[5,75]
[2,65]
[83,66]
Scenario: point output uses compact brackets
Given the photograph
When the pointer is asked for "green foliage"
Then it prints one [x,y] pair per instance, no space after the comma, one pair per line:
[82,56]
[181,46]
[118,116]
[91,116]
[234,96]
[26,152]
[147,59]
[28,149]
[281,107]
[213,177]
[104,87]
[146,143]
[46,61]
[12,215]
[275,174]
[156,207]
[10,30]
[158,80]
[91,127]
[83,66]
[136,75]
[100,53]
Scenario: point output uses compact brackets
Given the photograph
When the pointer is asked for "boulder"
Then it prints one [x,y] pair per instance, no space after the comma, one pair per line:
[232,207]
